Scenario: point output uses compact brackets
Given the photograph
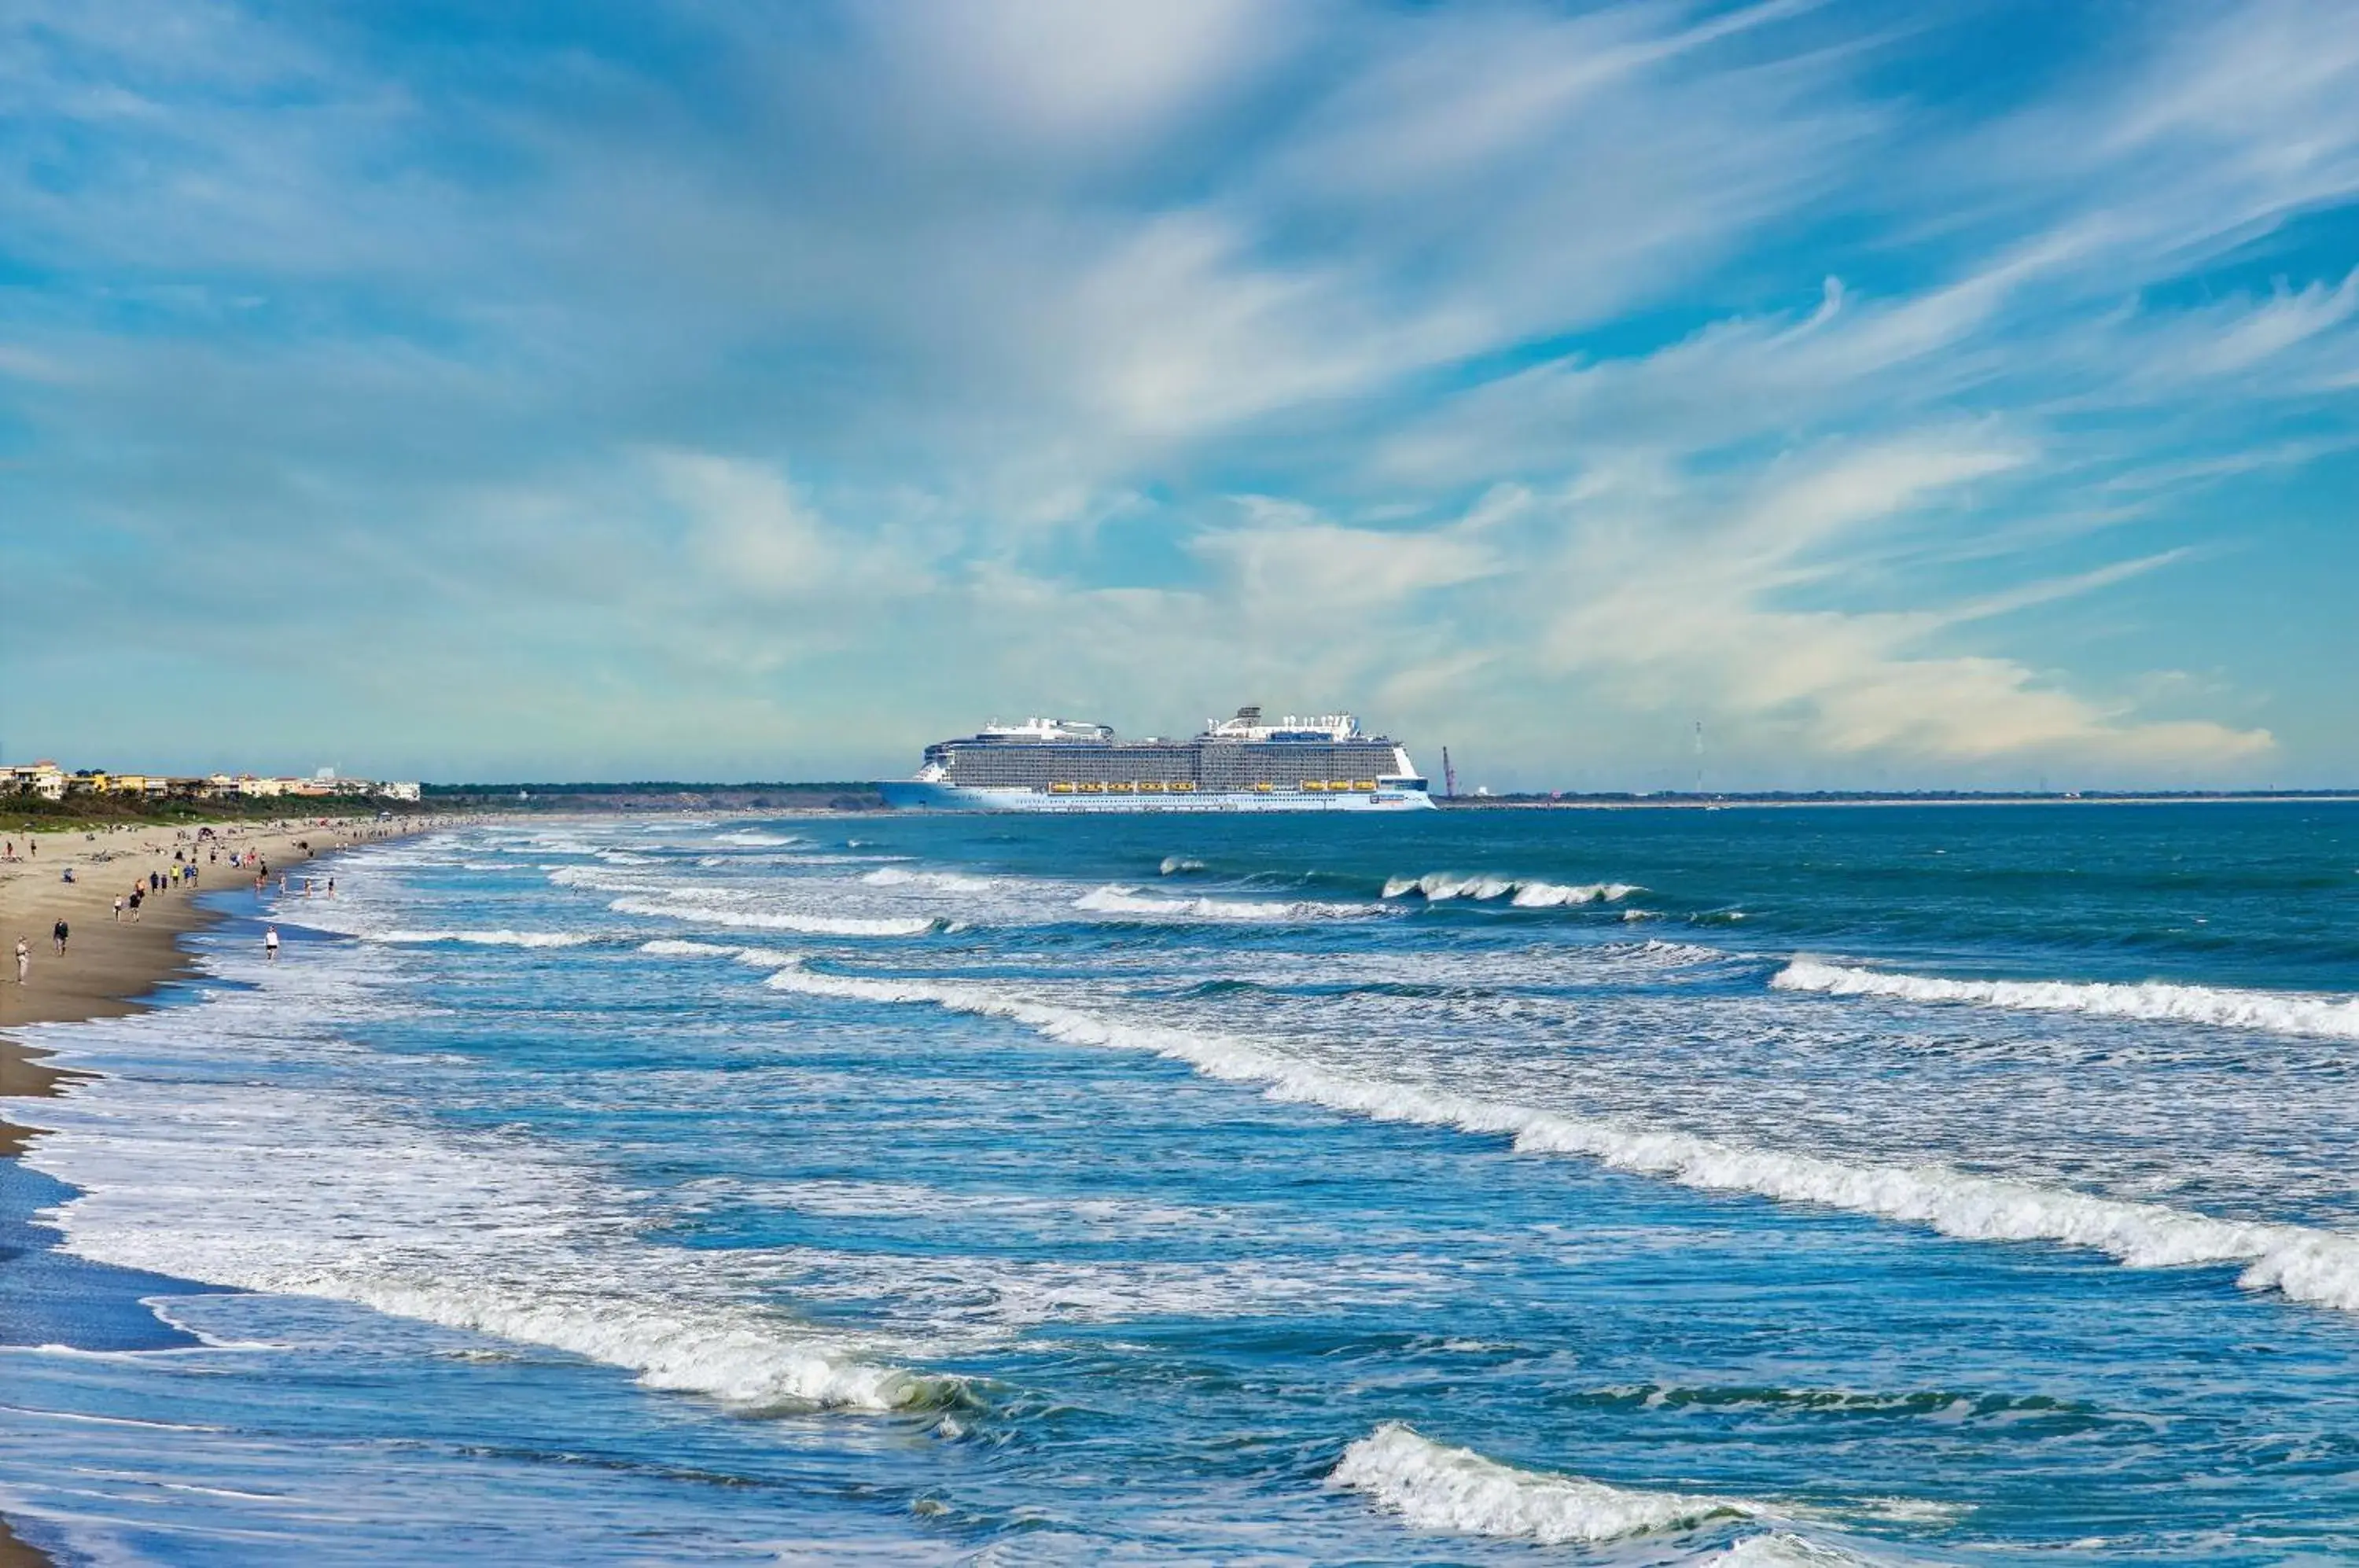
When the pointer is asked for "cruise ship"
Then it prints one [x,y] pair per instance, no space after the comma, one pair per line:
[1321,763]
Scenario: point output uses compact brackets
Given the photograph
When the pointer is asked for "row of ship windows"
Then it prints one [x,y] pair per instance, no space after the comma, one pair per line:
[1213,772]
[1187,786]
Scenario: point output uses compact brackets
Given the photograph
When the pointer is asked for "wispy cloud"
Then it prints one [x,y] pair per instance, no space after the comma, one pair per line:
[826,378]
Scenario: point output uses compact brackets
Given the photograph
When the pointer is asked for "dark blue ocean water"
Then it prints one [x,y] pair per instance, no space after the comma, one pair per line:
[1939,1185]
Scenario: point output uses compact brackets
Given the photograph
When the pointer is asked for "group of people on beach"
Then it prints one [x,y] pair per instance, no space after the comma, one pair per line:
[183,872]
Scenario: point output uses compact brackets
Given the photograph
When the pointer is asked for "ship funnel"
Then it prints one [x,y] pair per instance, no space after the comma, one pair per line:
[1250,713]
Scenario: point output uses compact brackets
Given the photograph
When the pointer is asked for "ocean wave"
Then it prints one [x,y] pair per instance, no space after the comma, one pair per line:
[753,840]
[778,920]
[2330,1017]
[738,1356]
[760,957]
[799,859]
[1524,892]
[502,938]
[308,1193]
[1433,1486]
[1116,899]
[2304,1263]
[598,879]
[1783,1548]
[1173,865]
[940,881]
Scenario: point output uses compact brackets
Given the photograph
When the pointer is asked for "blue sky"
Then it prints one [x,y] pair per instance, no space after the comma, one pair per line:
[1942,394]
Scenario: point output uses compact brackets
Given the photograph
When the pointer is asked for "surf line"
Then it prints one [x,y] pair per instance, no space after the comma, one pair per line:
[2304,1263]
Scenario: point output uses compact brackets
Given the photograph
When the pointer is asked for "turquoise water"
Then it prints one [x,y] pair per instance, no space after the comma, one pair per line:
[1939,1185]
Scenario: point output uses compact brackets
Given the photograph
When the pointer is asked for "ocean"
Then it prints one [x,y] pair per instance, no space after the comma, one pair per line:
[1938,1184]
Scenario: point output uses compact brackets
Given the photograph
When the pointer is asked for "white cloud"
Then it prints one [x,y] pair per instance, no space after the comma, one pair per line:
[1705,620]
[1019,291]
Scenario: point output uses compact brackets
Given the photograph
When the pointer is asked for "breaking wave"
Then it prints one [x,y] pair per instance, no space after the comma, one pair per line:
[1433,1486]
[778,919]
[2305,1263]
[1173,865]
[1529,893]
[302,1193]
[760,957]
[1117,899]
[1782,1548]
[2330,1017]
[598,879]
[488,938]
[940,881]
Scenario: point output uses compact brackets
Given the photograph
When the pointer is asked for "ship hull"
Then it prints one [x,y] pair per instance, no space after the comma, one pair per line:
[917,795]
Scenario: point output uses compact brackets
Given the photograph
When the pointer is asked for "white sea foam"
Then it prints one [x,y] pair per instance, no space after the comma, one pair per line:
[503,938]
[753,840]
[1526,892]
[1782,1548]
[316,1193]
[1550,895]
[759,957]
[939,881]
[1117,899]
[777,920]
[675,947]
[2306,1263]
[1175,863]
[2331,1018]
[1433,1486]
[598,879]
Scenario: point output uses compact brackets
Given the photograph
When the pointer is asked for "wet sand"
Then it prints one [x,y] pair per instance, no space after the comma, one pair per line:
[110,964]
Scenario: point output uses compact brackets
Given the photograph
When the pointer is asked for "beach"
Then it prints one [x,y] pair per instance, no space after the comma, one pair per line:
[110,963]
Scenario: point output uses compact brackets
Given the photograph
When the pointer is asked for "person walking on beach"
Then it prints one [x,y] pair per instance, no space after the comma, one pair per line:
[24,961]
[58,937]
[118,909]
[269,943]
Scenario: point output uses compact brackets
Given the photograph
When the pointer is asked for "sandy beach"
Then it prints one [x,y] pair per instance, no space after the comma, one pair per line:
[111,963]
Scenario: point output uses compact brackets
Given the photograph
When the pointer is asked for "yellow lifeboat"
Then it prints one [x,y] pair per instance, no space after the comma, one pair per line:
[1118,786]
[1183,785]
[1315,785]
[1089,787]
[1264,788]
[1149,787]
[1060,788]
[1365,786]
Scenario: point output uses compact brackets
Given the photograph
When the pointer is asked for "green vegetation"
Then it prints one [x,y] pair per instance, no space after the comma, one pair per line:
[29,813]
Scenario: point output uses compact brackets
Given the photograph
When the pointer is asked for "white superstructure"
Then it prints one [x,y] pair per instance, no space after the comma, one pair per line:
[1246,763]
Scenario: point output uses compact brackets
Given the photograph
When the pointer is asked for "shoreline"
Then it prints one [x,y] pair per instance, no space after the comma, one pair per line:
[111,966]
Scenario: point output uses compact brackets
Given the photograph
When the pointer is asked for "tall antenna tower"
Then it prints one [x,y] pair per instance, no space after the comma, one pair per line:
[1699,756]
[1449,776]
